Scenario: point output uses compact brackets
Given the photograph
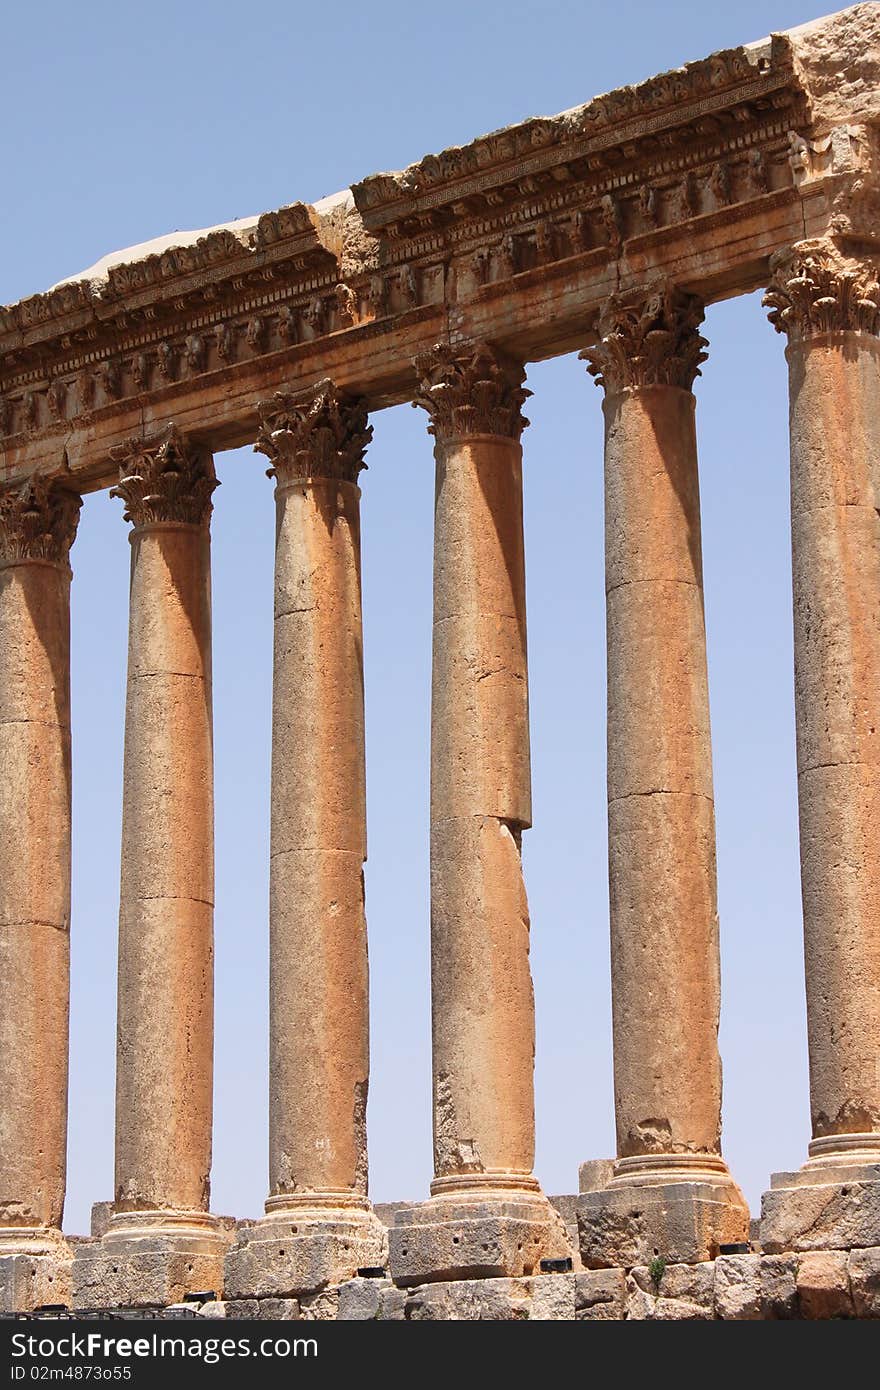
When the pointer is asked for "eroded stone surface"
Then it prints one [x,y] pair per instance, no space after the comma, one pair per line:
[304,1253]
[840,1215]
[146,1271]
[823,1284]
[679,1222]
[738,1288]
[449,1237]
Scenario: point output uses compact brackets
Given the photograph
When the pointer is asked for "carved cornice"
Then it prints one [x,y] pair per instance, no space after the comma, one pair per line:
[695,96]
[320,433]
[471,389]
[652,340]
[38,521]
[164,478]
[296,231]
[816,289]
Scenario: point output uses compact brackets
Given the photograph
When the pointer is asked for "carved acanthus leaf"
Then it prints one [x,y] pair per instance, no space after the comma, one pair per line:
[164,478]
[38,521]
[470,390]
[319,433]
[649,341]
[814,290]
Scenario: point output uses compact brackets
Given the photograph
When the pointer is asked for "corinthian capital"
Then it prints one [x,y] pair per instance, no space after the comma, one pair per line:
[319,433]
[164,477]
[650,339]
[471,390]
[38,521]
[815,289]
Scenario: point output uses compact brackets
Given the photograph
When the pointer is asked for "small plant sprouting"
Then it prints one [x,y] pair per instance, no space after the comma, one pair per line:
[656,1270]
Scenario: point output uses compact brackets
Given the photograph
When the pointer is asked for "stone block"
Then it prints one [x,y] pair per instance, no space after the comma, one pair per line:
[600,1294]
[135,1271]
[683,1292]
[814,1215]
[553,1298]
[280,1309]
[595,1174]
[100,1218]
[216,1309]
[470,1300]
[864,1280]
[566,1207]
[243,1309]
[360,1300]
[779,1286]
[393,1305]
[459,1238]
[319,1307]
[34,1281]
[284,1257]
[680,1283]
[823,1285]
[681,1222]
[738,1289]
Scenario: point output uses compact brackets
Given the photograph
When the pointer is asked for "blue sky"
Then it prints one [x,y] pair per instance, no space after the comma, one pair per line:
[131,121]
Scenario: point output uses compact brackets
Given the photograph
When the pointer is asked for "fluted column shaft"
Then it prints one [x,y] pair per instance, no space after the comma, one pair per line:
[482,999]
[37,527]
[319,1006]
[664,918]
[164,1079]
[829,306]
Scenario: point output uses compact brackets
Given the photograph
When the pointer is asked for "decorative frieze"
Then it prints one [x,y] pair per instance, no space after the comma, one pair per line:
[164,478]
[700,94]
[38,521]
[471,390]
[815,289]
[320,433]
[649,340]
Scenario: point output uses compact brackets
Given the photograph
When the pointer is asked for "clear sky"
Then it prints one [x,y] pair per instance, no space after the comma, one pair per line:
[127,121]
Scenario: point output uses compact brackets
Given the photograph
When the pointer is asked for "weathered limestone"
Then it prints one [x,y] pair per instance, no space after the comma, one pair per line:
[37,527]
[161,1240]
[319,1227]
[762,157]
[671,1192]
[828,303]
[488,1214]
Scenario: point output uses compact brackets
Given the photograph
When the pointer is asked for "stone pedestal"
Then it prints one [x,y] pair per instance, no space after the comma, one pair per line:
[37,527]
[477,1232]
[161,1238]
[302,1247]
[829,306]
[670,1184]
[150,1258]
[319,1226]
[679,1207]
[35,1269]
[487,1213]
[832,1203]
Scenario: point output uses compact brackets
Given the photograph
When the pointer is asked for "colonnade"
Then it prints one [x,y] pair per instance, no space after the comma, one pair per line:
[486,1213]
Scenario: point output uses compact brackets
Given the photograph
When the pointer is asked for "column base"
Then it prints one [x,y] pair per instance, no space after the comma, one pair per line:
[150,1258]
[35,1266]
[476,1227]
[832,1203]
[304,1244]
[680,1208]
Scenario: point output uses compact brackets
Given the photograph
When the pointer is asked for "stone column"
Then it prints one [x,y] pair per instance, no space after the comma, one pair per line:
[37,526]
[828,304]
[488,1214]
[670,1190]
[319,1226]
[161,1241]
